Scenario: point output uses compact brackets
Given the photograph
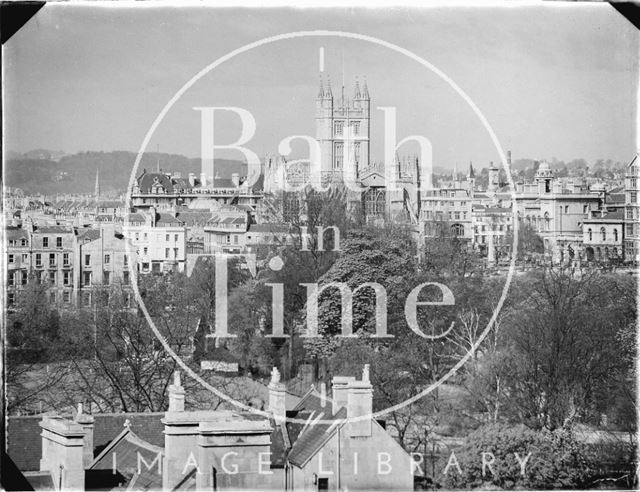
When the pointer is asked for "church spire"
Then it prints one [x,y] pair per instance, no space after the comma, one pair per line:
[96,190]
[321,89]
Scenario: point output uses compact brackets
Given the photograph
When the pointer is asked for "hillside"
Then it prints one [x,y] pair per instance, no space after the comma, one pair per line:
[77,173]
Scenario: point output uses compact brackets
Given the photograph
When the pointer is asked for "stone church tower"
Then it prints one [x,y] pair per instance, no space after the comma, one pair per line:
[333,118]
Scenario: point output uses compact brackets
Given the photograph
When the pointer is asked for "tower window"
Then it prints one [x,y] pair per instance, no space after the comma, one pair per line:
[339,127]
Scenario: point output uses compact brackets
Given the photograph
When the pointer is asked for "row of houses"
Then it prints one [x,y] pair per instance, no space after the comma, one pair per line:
[71,261]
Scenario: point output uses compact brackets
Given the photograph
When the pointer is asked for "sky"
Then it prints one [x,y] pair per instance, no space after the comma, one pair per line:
[552,80]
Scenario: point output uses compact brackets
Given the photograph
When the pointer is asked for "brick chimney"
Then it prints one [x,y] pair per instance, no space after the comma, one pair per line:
[176,394]
[62,452]
[360,403]
[86,422]
[277,397]
[339,387]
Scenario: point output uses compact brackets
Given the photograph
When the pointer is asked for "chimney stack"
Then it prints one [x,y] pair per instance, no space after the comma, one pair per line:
[277,397]
[339,386]
[235,179]
[360,404]
[192,179]
[62,452]
[176,394]
[203,180]
[86,421]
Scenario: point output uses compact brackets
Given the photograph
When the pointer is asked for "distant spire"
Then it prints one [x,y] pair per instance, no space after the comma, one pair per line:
[471,174]
[356,92]
[96,191]
[321,89]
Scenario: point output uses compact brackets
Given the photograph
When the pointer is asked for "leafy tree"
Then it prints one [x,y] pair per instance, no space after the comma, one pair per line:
[557,460]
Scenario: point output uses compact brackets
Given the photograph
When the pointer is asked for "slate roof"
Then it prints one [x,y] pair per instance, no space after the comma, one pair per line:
[164,219]
[25,446]
[194,217]
[54,230]
[87,235]
[13,233]
[146,180]
[126,447]
[269,228]
[315,435]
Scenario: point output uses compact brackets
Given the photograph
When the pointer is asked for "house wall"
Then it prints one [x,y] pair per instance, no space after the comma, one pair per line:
[357,464]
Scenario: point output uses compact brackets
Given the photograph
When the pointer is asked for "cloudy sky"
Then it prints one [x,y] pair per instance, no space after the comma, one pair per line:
[552,80]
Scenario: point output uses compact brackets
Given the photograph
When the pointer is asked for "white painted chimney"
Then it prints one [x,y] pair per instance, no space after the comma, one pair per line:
[176,394]
[235,179]
[277,397]
[360,404]
[339,388]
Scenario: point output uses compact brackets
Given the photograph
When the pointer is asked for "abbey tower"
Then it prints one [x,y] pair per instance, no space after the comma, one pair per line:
[333,118]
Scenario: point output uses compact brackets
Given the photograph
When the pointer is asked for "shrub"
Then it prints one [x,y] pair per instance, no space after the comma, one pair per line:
[557,460]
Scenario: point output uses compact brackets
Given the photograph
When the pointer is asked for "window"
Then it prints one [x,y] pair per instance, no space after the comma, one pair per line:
[235,239]
[137,236]
[145,250]
[634,197]
[105,278]
[228,238]
[87,260]
[615,235]
[126,260]
[566,209]
[175,238]
[585,209]
[11,297]
[339,127]
[167,238]
[125,278]
[629,229]
[58,242]
[144,236]
[86,278]
[12,259]
[52,297]
[590,232]
[66,297]
[52,277]
[66,278]
[86,298]
[175,253]
[107,259]
[45,242]
[23,242]
[65,259]
[12,279]
[166,252]
[25,258]
[52,259]
[603,233]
